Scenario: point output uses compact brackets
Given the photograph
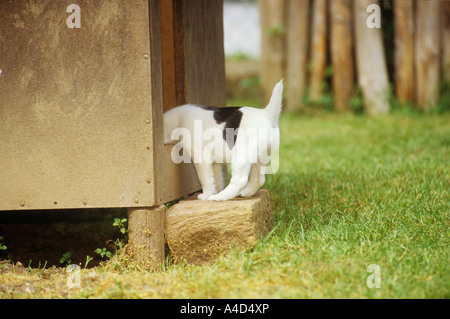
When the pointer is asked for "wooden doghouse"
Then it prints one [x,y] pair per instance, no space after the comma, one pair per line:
[83,88]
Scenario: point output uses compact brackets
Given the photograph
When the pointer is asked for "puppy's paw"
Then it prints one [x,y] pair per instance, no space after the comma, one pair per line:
[248,192]
[218,198]
[203,196]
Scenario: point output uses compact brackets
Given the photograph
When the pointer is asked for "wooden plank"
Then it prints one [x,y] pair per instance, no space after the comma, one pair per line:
[177,180]
[199,78]
[168,55]
[146,236]
[180,52]
[205,56]
[78,107]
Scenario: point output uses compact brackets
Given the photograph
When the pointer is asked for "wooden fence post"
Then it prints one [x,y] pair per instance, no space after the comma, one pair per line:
[341,50]
[404,50]
[296,52]
[370,61]
[146,236]
[318,53]
[445,40]
[272,44]
[427,53]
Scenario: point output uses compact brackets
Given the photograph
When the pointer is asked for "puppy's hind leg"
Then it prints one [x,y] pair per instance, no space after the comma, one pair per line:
[205,175]
[239,178]
[255,182]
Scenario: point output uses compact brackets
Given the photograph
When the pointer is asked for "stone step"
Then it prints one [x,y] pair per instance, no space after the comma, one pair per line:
[198,232]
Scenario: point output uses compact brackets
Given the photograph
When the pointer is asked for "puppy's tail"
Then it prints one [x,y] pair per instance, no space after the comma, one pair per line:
[273,109]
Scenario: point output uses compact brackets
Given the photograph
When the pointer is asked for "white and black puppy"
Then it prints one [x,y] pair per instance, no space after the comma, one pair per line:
[245,137]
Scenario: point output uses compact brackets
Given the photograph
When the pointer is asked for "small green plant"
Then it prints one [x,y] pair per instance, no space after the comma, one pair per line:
[29,264]
[88,260]
[121,224]
[2,245]
[103,252]
[66,258]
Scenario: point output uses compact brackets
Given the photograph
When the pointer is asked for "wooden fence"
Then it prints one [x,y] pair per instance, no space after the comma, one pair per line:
[305,41]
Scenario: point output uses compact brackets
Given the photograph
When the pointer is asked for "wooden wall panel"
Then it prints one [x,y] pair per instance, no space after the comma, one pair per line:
[81,109]
[205,57]
[199,65]
[76,119]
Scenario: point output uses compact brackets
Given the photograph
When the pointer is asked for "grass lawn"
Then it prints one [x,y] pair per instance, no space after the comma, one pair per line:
[351,191]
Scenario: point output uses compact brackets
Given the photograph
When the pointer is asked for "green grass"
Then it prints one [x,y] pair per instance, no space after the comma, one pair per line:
[359,191]
[351,191]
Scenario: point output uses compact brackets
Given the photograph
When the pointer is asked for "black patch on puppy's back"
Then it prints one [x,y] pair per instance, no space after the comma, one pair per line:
[231,115]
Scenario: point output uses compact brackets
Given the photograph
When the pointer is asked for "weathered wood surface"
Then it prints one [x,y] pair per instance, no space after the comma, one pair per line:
[371,61]
[272,13]
[297,35]
[341,51]
[318,50]
[427,53]
[79,114]
[404,50]
[445,18]
[146,236]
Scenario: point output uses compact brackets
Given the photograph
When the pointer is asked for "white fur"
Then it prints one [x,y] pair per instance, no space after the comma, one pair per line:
[250,153]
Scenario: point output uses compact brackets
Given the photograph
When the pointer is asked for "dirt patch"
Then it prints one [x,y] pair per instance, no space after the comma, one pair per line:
[40,238]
